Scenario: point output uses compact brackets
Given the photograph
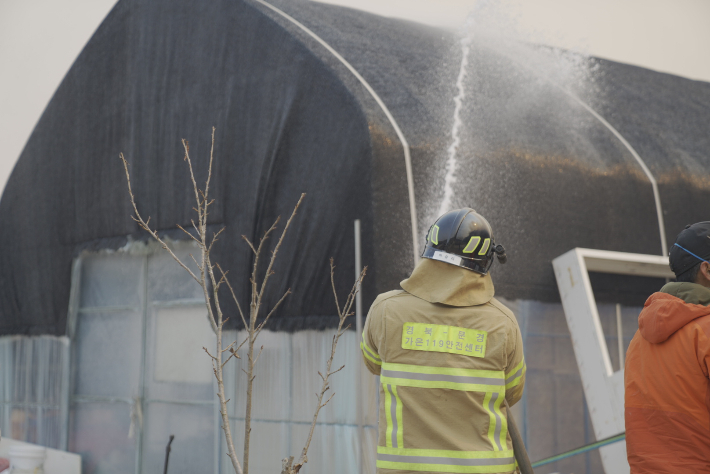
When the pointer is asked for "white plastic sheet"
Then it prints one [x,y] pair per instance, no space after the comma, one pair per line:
[284,401]
[33,386]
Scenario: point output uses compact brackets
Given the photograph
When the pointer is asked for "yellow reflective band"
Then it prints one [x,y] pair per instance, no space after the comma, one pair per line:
[484,248]
[388,415]
[369,353]
[394,433]
[487,405]
[472,244]
[399,432]
[455,371]
[469,380]
[443,338]
[520,365]
[434,235]
[498,424]
[501,432]
[433,460]
[513,377]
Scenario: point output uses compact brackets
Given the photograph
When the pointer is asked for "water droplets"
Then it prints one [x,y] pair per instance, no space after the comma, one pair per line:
[451,162]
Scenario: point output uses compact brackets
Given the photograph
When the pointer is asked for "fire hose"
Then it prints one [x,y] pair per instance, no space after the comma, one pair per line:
[521,454]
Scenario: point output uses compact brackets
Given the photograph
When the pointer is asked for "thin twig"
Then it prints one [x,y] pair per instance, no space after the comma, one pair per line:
[332,284]
[278,246]
[144,224]
[343,313]
[214,238]
[276,306]
[226,280]
[191,236]
[251,246]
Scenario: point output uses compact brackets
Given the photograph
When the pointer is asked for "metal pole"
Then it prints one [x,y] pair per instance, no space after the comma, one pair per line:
[620,336]
[358,331]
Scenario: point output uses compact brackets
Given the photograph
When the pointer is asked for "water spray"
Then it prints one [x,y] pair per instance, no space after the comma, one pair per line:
[451,162]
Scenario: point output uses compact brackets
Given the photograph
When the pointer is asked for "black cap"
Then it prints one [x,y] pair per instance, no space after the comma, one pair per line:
[691,247]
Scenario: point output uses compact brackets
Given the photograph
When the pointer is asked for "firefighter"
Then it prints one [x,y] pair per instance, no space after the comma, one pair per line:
[667,381]
[448,354]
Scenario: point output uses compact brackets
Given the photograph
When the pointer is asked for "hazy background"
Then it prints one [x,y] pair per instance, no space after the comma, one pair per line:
[40,39]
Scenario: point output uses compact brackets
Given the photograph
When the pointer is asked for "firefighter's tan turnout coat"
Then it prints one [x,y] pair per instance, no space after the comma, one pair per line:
[447,354]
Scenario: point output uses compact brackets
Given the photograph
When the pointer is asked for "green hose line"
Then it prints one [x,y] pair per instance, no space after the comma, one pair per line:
[583,449]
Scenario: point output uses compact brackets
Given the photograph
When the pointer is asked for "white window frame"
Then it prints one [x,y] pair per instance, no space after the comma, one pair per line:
[603,388]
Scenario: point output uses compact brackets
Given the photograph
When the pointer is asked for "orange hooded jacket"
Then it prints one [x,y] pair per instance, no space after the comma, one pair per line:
[667,396]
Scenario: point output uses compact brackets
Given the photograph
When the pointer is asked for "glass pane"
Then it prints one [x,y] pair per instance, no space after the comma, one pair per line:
[111,280]
[108,354]
[311,350]
[193,449]
[178,367]
[168,281]
[100,434]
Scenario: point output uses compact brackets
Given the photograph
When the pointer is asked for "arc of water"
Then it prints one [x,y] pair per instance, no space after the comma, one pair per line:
[388,114]
[631,149]
[451,162]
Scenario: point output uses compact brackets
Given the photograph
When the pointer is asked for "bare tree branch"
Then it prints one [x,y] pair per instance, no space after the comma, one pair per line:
[257,292]
[214,238]
[278,246]
[198,209]
[276,306]
[251,246]
[226,280]
[258,355]
[332,284]
[210,286]
[217,321]
[287,464]
[144,224]
[208,353]
[191,236]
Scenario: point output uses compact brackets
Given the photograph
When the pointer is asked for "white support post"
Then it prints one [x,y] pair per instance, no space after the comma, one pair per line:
[620,336]
[603,388]
[358,330]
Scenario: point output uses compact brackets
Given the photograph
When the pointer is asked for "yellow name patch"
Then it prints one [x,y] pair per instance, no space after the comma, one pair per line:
[441,338]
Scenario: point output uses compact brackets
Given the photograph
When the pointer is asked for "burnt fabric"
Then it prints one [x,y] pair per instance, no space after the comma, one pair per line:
[667,384]
[444,374]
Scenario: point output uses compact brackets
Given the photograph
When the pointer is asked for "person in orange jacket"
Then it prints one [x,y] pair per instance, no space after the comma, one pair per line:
[667,374]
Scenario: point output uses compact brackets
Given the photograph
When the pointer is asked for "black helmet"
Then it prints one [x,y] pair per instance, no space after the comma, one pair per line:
[464,238]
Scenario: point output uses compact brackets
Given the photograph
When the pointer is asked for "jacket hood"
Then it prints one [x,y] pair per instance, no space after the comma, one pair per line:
[439,282]
[689,292]
[663,314]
